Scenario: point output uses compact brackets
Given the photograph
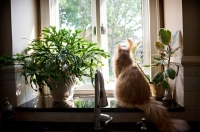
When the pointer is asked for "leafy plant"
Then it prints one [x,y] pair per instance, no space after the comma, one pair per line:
[84,103]
[165,52]
[57,55]
[119,24]
[137,59]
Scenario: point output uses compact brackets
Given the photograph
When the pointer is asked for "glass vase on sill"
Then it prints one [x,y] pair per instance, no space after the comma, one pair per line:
[169,92]
[168,95]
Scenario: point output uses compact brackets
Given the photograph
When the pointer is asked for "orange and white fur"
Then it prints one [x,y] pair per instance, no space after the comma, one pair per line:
[133,91]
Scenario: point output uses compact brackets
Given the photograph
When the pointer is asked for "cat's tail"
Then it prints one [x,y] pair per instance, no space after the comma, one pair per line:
[159,115]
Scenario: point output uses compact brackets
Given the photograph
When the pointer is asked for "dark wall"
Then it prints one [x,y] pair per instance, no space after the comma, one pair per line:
[191,27]
[5,27]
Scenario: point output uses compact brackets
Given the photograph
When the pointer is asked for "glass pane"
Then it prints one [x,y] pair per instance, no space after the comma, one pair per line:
[76,14]
[124,20]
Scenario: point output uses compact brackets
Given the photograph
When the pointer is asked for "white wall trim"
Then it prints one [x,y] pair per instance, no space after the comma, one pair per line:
[45,13]
[154,28]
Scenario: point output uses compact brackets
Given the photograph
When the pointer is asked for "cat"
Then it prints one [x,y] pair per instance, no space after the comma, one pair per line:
[133,91]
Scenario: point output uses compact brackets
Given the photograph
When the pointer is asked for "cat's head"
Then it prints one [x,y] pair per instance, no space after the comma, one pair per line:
[127,49]
[123,54]
[122,57]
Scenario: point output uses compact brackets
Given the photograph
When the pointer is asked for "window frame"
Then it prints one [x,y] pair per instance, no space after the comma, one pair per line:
[150,13]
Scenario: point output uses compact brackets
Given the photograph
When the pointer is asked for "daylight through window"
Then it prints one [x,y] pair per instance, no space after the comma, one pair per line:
[119,19]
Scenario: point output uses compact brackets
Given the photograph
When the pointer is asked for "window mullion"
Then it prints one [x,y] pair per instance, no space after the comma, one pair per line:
[104,38]
[98,35]
[45,13]
[93,7]
[154,28]
[146,35]
[54,13]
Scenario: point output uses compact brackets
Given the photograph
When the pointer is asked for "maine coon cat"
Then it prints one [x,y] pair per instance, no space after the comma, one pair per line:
[133,91]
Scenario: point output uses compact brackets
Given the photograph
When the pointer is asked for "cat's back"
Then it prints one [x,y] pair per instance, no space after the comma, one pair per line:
[132,76]
[131,86]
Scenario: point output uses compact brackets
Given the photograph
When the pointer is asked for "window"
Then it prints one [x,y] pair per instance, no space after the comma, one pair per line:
[115,21]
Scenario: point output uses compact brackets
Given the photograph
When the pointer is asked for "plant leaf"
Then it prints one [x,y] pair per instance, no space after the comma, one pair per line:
[173,51]
[159,46]
[170,73]
[134,49]
[165,84]
[152,65]
[175,36]
[158,77]
[165,36]
[159,60]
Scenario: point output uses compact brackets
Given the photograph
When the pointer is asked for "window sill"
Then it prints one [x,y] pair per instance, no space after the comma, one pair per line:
[45,104]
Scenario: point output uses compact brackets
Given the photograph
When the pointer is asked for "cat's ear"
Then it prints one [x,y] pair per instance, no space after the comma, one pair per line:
[129,44]
[119,46]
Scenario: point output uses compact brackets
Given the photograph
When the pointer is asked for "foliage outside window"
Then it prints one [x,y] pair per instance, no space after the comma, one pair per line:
[124,20]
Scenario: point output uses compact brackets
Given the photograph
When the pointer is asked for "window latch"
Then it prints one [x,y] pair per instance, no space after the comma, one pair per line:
[103,30]
[95,30]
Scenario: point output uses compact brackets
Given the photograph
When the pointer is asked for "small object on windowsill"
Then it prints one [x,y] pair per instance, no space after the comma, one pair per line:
[143,122]
[7,114]
[168,95]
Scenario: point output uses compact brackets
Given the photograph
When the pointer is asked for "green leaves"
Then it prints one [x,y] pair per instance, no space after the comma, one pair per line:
[159,60]
[170,73]
[158,77]
[161,77]
[58,54]
[134,49]
[165,84]
[165,51]
[159,46]
[165,36]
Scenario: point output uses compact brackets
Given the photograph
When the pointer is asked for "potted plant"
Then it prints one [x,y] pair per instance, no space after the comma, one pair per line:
[57,59]
[160,81]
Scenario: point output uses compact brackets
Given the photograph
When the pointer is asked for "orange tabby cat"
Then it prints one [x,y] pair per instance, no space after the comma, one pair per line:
[132,91]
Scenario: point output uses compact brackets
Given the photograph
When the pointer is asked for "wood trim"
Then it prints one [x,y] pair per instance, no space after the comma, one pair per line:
[38,17]
[161,12]
[190,61]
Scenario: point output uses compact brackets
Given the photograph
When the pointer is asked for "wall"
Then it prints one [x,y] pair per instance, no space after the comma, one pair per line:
[173,21]
[191,58]
[191,27]
[5,30]
[182,15]
[20,22]
[24,23]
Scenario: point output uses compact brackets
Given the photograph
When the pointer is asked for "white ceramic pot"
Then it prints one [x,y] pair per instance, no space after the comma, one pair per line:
[62,92]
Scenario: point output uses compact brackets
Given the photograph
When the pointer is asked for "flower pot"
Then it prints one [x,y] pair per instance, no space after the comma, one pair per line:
[61,91]
[156,90]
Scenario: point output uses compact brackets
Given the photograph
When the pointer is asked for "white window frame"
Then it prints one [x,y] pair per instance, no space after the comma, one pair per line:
[150,13]
[154,29]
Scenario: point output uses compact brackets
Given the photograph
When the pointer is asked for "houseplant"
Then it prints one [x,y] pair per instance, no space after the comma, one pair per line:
[163,59]
[57,59]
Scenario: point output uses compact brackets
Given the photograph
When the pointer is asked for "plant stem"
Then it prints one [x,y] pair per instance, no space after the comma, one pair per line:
[169,56]
[142,71]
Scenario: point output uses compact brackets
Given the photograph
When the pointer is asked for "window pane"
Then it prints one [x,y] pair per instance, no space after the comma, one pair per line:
[124,20]
[76,14]
[121,19]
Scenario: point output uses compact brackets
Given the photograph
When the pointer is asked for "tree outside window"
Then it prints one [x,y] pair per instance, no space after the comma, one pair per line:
[124,20]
